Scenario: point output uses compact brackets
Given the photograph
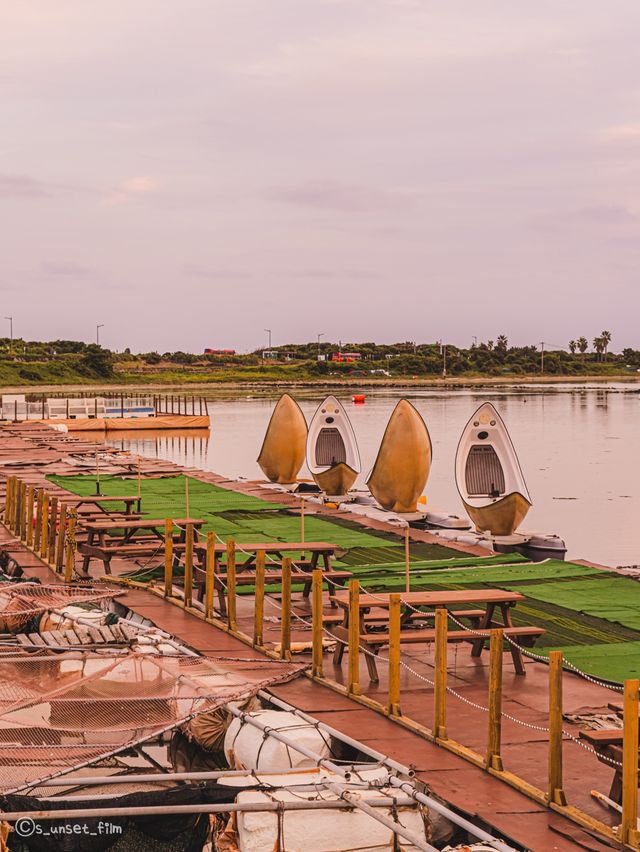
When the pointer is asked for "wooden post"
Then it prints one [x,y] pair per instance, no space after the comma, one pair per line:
[556,792]
[353,682]
[61,537]
[168,557]
[209,581]
[629,822]
[188,566]
[317,669]
[407,573]
[44,532]
[23,511]
[53,523]
[493,760]
[393,706]
[38,526]
[258,613]
[97,474]
[186,496]
[20,509]
[31,495]
[231,585]
[71,547]
[285,613]
[302,519]
[7,501]
[440,690]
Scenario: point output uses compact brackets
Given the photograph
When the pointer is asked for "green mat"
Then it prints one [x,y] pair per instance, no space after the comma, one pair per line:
[617,662]
[613,598]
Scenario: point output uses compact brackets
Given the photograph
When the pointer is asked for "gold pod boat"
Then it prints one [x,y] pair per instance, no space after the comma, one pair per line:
[403,463]
[489,476]
[283,448]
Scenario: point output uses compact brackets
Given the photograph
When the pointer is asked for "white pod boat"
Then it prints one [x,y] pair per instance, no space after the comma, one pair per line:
[283,448]
[332,452]
[402,466]
[488,474]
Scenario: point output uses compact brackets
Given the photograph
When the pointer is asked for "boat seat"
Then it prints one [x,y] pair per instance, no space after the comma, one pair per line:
[484,476]
[330,448]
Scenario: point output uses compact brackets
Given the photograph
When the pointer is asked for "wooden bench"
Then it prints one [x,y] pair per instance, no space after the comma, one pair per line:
[248,578]
[525,636]
[106,553]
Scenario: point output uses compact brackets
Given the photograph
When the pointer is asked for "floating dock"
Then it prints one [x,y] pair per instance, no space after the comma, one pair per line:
[506,754]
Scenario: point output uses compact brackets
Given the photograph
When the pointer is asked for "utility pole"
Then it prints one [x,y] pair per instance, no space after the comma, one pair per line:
[98,327]
[319,336]
[542,356]
[443,349]
[475,341]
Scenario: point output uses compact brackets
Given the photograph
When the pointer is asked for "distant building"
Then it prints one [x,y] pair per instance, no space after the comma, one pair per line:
[349,357]
[276,355]
[219,351]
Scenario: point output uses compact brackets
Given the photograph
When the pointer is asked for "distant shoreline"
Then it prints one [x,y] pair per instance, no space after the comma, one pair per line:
[358,382]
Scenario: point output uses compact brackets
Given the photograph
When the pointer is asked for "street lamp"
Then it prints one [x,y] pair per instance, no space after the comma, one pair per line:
[319,336]
[98,327]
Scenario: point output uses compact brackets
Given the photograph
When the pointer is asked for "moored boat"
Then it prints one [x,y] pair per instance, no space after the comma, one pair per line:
[403,463]
[488,474]
[332,451]
[283,448]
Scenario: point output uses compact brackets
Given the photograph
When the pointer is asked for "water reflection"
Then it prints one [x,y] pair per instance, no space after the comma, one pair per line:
[578,448]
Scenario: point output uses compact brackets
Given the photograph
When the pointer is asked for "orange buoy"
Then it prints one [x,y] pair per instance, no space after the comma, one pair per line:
[358,398]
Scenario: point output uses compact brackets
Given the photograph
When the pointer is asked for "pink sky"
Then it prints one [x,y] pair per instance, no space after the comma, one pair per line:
[190,173]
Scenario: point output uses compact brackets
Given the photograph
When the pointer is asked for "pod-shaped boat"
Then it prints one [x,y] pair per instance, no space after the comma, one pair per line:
[282,453]
[488,474]
[403,463]
[332,452]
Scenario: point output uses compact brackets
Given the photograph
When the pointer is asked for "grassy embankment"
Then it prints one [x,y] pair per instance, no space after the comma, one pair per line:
[66,373]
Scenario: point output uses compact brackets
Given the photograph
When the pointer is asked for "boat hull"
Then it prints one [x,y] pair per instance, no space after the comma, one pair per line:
[336,480]
[283,448]
[502,517]
[403,464]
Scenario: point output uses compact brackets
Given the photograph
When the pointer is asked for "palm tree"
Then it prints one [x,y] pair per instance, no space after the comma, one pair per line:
[489,345]
[502,343]
[572,347]
[583,345]
[598,345]
[605,337]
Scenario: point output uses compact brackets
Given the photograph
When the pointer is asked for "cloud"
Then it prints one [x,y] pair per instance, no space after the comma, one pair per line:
[138,185]
[194,270]
[629,132]
[22,186]
[606,214]
[333,195]
[65,269]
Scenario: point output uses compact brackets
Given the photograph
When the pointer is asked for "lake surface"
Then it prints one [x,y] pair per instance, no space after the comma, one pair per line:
[578,446]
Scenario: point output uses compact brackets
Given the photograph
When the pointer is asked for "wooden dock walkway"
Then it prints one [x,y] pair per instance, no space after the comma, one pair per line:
[481,796]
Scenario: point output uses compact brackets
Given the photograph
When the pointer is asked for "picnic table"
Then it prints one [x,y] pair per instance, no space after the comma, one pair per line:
[607,743]
[102,544]
[103,503]
[489,599]
[245,565]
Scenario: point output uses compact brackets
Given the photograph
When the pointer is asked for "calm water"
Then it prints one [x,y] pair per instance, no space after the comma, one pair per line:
[578,447]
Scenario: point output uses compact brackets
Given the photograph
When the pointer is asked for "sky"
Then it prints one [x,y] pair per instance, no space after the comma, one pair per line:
[189,173]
